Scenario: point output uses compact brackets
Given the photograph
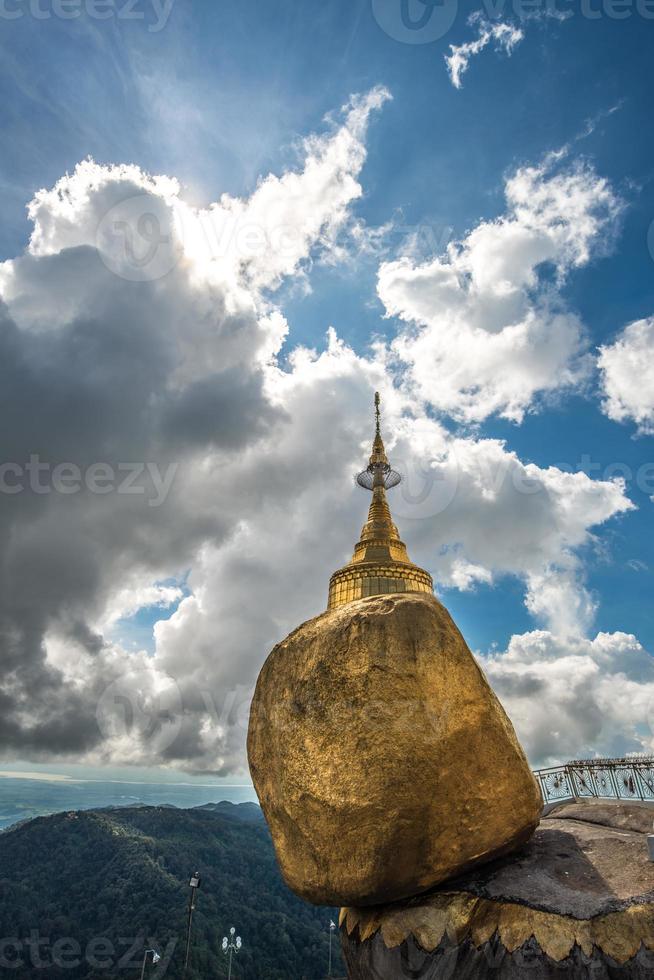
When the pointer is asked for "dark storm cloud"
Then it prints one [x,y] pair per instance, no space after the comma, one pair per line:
[99,389]
[133,350]
[223,410]
[519,686]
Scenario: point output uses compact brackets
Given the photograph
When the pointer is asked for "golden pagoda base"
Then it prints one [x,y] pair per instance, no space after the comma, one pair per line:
[358,581]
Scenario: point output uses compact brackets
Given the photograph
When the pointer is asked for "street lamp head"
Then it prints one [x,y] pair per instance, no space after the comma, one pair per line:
[232,931]
[195,880]
[238,942]
[224,944]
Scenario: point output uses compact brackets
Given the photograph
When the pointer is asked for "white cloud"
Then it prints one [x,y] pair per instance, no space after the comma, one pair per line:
[627,376]
[488,329]
[576,698]
[181,370]
[503,36]
[124,339]
[486,514]
[235,244]
[126,602]
[299,515]
[268,236]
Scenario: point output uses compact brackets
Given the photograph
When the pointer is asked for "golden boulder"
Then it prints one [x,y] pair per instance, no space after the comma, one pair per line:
[383,761]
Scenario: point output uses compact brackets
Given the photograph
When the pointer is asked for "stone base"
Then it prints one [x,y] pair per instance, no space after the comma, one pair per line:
[577,902]
[491,961]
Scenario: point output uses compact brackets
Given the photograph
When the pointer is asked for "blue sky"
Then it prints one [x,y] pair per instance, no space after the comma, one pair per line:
[225,93]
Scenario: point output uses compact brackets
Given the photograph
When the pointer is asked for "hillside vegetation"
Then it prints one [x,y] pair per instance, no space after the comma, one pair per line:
[83,894]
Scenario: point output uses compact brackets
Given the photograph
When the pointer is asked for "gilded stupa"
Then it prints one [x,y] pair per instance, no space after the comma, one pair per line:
[383,762]
[380,563]
[393,784]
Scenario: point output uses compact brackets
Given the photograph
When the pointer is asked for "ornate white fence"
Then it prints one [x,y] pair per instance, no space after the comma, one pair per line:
[617,779]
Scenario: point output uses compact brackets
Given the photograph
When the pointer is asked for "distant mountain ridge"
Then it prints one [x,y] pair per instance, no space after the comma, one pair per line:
[237,811]
[250,812]
[25,798]
[97,887]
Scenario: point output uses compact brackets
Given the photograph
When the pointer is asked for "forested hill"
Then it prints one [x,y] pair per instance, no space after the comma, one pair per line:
[85,893]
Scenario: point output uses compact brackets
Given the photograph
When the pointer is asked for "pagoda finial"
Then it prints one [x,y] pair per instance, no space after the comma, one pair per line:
[380,564]
[378,471]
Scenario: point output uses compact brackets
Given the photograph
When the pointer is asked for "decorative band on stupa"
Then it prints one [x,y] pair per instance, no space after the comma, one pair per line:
[380,563]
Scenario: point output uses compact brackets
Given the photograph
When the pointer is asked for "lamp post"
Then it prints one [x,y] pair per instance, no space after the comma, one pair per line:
[231,946]
[332,927]
[155,959]
[194,884]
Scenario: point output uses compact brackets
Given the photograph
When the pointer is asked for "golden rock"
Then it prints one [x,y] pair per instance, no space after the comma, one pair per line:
[383,761]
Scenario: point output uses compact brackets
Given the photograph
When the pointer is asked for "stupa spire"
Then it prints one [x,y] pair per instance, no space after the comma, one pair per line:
[378,451]
[380,563]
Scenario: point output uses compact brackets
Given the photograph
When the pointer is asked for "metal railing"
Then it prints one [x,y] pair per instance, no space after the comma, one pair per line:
[631,778]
